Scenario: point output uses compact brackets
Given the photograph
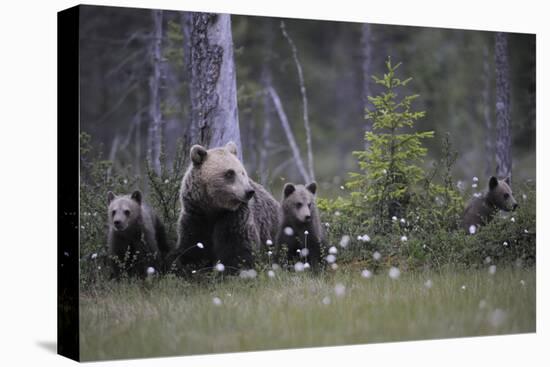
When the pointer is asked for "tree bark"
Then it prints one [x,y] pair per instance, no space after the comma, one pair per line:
[289,135]
[266,79]
[155,115]
[214,108]
[503,141]
[486,100]
[311,172]
[366,71]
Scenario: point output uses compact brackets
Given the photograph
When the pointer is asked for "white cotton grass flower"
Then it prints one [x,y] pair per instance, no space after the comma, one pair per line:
[334,266]
[525,231]
[66,254]
[275,267]
[477,194]
[403,221]
[216,301]
[299,267]
[342,188]
[505,244]
[384,171]
[404,238]
[367,274]
[166,181]
[271,273]
[364,238]
[344,242]
[463,287]
[304,252]
[306,266]
[193,271]
[248,274]
[524,197]
[125,181]
[497,317]
[472,229]
[522,282]
[333,250]
[394,218]
[376,255]
[269,243]
[306,232]
[512,219]
[337,213]
[220,267]
[492,269]
[150,270]
[340,290]
[460,185]
[475,179]
[298,251]
[331,259]
[269,253]
[327,224]
[394,272]
[487,260]
[288,231]
[428,284]
[326,301]
[200,245]
[474,186]
[94,256]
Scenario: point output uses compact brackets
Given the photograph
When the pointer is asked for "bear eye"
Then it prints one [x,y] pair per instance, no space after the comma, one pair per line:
[229,174]
[113,213]
[298,205]
[127,212]
[309,205]
[506,195]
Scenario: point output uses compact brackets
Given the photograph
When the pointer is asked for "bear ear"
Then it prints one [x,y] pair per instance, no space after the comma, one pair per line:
[198,154]
[312,187]
[508,181]
[136,195]
[110,197]
[493,183]
[232,147]
[288,189]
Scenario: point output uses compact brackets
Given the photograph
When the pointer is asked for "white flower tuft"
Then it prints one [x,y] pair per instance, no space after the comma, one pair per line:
[342,188]
[505,244]
[327,224]
[150,270]
[376,255]
[288,231]
[474,186]
[492,269]
[200,245]
[512,219]
[275,267]
[220,267]
[404,238]
[217,301]
[475,179]
[166,181]
[487,260]
[522,282]
[306,232]
[394,272]
[337,213]
[269,253]
[340,290]
[463,287]
[299,266]
[306,266]
[428,284]
[333,250]
[248,274]
[402,220]
[331,259]
[304,252]
[472,229]
[269,243]
[94,256]
[366,274]
[344,242]
[334,266]
[394,218]
[271,273]
[326,301]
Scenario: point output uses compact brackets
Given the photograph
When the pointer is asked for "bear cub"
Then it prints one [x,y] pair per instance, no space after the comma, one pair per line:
[137,239]
[301,226]
[481,210]
[224,211]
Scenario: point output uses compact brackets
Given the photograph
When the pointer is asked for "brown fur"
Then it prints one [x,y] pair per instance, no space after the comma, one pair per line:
[300,214]
[222,208]
[136,236]
[481,211]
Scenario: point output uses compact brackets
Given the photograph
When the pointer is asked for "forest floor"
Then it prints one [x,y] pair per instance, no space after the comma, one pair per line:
[169,316]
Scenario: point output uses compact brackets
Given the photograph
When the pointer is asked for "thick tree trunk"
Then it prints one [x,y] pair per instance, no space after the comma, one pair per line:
[503,141]
[267,82]
[155,115]
[215,119]
[486,100]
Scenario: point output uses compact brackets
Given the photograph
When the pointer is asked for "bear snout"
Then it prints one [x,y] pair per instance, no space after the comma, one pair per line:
[117,224]
[249,194]
[308,218]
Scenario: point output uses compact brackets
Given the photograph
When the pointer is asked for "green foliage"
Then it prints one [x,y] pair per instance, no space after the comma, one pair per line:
[390,165]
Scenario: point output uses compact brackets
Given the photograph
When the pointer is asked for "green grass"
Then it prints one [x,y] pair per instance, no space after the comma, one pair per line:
[170,316]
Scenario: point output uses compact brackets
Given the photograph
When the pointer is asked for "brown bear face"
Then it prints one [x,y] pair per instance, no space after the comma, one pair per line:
[500,194]
[298,201]
[124,210]
[223,177]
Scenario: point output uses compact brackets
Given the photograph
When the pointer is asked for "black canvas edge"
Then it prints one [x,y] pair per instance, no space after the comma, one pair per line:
[68,157]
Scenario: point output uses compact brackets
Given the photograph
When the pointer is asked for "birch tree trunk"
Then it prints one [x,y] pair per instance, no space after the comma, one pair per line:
[486,100]
[155,127]
[503,141]
[213,91]
[267,82]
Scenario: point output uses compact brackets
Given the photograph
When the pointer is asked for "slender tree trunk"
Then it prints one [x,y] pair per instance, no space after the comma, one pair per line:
[137,144]
[366,71]
[289,135]
[155,127]
[486,100]
[215,119]
[311,172]
[503,141]
[267,82]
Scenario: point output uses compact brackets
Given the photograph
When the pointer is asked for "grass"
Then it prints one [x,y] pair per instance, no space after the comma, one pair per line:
[168,316]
